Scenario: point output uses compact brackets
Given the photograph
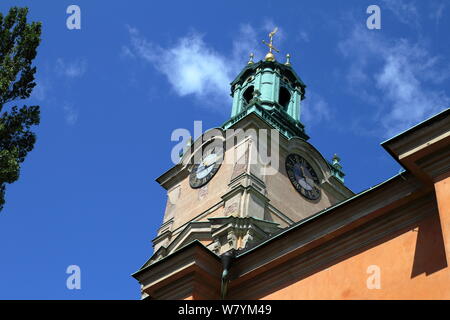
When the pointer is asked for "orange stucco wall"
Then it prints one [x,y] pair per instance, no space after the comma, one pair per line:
[412,264]
[411,267]
[442,188]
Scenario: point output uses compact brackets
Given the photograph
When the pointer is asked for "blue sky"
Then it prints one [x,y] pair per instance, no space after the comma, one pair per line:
[112,93]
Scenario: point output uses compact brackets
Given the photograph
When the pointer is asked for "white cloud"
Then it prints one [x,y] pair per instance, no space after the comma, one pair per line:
[246,41]
[71,69]
[193,67]
[396,77]
[49,87]
[437,11]
[70,113]
[315,110]
[411,101]
[405,11]
[303,36]
[126,52]
[41,89]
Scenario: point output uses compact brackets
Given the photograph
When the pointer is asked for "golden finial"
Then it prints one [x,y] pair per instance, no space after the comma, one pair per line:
[288,60]
[336,158]
[251,58]
[270,56]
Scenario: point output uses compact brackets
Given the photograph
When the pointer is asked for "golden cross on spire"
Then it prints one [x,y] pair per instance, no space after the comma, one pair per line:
[270,56]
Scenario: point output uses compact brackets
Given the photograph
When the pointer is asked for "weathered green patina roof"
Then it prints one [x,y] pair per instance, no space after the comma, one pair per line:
[286,70]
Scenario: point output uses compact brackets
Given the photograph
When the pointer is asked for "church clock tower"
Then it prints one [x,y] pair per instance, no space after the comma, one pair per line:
[224,196]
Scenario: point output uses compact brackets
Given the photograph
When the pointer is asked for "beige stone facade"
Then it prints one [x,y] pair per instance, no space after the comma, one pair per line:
[399,227]
[261,200]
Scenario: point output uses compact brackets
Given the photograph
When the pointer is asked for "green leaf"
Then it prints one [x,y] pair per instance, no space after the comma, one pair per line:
[19,41]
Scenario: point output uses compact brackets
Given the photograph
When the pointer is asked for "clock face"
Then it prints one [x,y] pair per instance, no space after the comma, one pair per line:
[203,172]
[302,176]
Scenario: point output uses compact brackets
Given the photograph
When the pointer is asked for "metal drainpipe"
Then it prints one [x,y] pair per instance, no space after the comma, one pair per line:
[226,259]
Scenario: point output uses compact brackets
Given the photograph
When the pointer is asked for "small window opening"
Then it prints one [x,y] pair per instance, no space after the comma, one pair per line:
[284,97]
[248,94]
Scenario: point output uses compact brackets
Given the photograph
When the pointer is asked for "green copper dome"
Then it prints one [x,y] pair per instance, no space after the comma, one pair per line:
[272,90]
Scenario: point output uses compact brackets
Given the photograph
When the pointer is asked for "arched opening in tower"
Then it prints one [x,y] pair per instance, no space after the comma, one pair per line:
[284,97]
[248,94]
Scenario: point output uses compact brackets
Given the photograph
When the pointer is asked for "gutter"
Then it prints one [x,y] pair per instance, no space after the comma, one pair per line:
[227,259]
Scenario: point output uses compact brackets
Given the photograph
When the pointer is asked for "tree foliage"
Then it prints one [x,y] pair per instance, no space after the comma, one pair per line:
[18,44]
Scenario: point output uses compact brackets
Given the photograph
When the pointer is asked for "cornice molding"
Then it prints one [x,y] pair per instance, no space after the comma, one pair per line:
[178,276]
[330,223]
[424,149]
[305,261]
